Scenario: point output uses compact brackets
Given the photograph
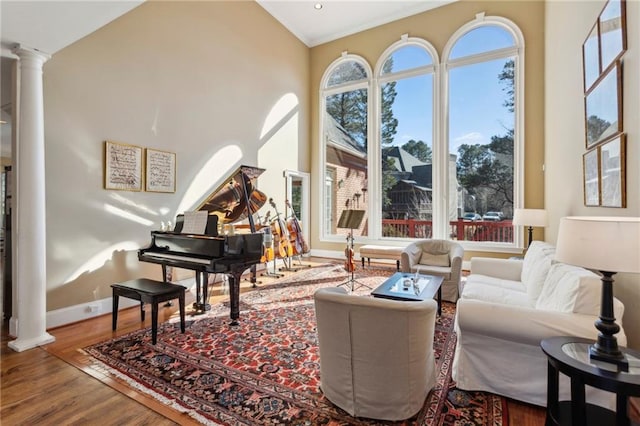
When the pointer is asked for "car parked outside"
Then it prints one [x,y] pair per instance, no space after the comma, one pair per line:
[492,216]
[471,216]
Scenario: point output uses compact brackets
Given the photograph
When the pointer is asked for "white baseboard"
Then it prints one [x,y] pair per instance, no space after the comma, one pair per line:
[83,311]
[339,255]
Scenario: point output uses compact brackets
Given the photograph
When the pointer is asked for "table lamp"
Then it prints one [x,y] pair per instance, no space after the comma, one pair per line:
[608,245]
[530,218]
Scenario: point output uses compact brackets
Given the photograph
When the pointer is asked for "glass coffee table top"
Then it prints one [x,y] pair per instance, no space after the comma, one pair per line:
[406,286]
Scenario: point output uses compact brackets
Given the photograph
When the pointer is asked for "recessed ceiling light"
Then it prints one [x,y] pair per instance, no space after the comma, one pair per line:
[317,6]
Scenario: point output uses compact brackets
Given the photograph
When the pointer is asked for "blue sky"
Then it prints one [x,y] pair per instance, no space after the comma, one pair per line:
[476,95]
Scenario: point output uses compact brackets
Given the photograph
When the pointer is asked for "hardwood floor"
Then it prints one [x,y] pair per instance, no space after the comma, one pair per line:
[55,384]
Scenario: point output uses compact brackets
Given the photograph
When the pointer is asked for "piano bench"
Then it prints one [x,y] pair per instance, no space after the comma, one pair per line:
[148,291]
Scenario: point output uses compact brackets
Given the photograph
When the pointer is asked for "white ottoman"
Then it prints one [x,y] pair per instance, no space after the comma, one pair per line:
[380,252]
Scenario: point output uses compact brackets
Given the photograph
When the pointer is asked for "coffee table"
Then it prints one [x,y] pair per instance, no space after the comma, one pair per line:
[404,286]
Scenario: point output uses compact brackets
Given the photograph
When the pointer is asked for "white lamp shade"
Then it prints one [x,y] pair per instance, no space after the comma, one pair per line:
[609,244]
[530,217]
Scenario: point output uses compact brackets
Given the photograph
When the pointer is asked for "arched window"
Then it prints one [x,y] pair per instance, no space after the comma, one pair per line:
[345,139]
[406,129]
[424,143]
[483,130]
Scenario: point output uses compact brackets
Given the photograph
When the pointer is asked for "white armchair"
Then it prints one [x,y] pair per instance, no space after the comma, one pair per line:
[376,355]
[436,257]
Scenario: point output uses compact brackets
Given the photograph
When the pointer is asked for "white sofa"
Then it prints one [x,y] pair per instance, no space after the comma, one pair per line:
[507,307]
[376,355]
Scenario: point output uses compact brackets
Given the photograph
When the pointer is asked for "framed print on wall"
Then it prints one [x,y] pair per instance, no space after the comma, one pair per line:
[591,58]
[603,107]
[591,180]
[122,166]
[161,171]
[613,32]
[613,173]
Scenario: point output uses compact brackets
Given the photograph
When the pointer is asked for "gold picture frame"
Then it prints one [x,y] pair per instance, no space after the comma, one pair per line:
[612,24]
[160,167]
[606,42]
[591,58]
[122,166]
[603,107]
[591,178]
[612,162]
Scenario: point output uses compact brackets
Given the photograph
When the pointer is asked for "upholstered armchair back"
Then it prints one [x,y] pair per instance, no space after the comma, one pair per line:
[436,257]
[376,355]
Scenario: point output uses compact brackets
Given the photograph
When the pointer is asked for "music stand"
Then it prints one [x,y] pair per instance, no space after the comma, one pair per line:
[351,219]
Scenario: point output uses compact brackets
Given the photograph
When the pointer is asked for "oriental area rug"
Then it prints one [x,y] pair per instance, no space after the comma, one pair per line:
[265,371]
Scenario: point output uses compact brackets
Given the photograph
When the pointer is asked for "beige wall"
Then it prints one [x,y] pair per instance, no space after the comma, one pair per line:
[437,26]
[219,83]
[564,129]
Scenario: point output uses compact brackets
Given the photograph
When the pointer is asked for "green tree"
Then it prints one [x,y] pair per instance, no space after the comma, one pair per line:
[507,77]
[596,127]
[418,149]
[388,130]
[487,170]
[349,109]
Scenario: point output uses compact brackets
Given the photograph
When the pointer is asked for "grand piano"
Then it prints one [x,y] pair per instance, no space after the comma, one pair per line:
[234,200]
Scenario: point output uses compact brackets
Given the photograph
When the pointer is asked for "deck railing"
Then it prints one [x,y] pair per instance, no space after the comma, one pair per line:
[461,230]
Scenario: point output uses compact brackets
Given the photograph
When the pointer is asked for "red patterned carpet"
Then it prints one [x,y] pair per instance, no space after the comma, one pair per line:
[265,370]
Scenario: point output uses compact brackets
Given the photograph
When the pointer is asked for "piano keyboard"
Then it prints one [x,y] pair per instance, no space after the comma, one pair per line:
[178,257]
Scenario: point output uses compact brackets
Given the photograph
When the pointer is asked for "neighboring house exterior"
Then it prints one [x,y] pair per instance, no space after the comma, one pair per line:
[345,175]
[411,196]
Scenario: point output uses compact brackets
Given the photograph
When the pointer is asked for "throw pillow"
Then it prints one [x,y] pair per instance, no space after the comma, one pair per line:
[434,259]
[535,267]
[570,289]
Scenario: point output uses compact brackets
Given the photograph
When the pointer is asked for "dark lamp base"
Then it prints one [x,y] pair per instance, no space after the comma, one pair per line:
[620,361]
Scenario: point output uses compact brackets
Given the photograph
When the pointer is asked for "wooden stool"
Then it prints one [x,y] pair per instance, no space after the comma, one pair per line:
[148,291]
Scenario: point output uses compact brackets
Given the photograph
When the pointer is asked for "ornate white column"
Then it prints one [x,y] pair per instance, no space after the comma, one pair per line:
[30,277]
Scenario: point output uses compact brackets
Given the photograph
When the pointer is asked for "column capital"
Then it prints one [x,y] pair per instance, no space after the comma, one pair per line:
[24,52]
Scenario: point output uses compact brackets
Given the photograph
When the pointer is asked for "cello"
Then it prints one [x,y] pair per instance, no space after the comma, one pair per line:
[350,263]
[300,246]
[280,230]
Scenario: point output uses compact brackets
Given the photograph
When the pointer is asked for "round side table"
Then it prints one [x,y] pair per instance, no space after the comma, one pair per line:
[570,356]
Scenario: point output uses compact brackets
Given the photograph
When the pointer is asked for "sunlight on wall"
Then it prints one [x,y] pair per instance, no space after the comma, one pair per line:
[280,113]
[279,149]
[132,204]
[219,166]
[99,260]
[127,215]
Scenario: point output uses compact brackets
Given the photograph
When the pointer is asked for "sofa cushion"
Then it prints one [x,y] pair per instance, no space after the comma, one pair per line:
[495,294]
[430,259]
[570,289]
[535,267]
[496,282]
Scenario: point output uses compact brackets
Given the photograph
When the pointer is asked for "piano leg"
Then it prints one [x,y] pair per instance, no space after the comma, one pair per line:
[234,295]
[201,304]
[196,304]
[205,291]
[165,279]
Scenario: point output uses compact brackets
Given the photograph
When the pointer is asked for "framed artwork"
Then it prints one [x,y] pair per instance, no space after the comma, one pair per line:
[122,166]
[613,173]
[591,58]
[591,178]
[160,171]
[613,32]
[603,107]
[606,42]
